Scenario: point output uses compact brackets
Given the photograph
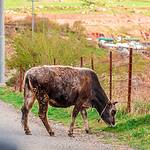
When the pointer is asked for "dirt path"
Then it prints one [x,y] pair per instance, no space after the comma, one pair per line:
[11,133]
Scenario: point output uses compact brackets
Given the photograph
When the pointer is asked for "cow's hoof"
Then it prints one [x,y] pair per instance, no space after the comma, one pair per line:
[88,131]
[51,133]
[70,134]
[28,132]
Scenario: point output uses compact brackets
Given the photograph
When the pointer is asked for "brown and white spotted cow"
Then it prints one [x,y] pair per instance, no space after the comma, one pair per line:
[63,86]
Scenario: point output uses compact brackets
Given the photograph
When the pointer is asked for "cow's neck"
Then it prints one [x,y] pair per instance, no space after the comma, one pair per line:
[100,100]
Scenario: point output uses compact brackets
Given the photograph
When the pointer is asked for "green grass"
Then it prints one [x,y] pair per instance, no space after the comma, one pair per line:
[9,4]
[128,3]
[75,7]
[132,129]
[16,4]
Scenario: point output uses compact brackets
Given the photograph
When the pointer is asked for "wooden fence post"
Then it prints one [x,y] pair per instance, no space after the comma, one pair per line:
[81,62]
[23,70]
[110,74]
[92,63]
[130,81]
[15,86]
[20,79]
[54,61]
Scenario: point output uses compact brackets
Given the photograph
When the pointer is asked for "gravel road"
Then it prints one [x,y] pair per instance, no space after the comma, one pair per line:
[11,134]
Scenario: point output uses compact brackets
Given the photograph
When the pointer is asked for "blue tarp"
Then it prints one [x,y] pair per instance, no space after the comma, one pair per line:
[105,39]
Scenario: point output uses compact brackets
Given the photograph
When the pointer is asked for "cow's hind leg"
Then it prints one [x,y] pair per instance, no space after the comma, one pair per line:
[43,107]
[29,99]
[84,116]
[75,112]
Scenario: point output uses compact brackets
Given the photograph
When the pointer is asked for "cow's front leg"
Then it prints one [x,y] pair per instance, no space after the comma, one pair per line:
[84,116]
[43,107]
[75,112]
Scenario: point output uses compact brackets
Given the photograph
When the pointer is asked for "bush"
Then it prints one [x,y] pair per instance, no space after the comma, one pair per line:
[11,82]
[51,40]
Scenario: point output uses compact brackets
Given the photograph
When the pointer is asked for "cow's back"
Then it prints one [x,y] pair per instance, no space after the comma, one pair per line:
[61,74]
[61,83]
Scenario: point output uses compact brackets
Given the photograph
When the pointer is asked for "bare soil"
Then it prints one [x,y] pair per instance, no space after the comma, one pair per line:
[108,24]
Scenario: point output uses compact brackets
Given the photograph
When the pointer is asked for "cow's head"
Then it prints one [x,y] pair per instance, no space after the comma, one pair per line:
[108,113]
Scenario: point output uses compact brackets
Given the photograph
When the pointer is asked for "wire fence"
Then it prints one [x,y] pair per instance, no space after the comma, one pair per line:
[123,80]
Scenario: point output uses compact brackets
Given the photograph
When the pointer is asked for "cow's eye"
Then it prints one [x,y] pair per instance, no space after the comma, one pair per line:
[113,112]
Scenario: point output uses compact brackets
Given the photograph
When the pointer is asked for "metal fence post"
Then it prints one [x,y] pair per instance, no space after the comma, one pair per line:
[130,81]
[2,44]
[110,74]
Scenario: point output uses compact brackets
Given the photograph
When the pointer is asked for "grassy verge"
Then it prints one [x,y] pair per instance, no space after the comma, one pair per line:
[130,129]
[113,3]
[9,4]
[76,7]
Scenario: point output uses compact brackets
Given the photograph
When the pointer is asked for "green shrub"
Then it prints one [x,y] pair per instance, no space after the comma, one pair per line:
[51,40]
[11,81]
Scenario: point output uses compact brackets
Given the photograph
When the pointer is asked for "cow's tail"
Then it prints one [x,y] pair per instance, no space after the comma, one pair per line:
[27,86]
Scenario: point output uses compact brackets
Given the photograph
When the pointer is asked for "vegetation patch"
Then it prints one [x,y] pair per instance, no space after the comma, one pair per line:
[67,44]
[132,129]
[50,40]
[80,6]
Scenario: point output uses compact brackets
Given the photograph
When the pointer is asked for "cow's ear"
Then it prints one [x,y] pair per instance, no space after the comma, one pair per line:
[114,103]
